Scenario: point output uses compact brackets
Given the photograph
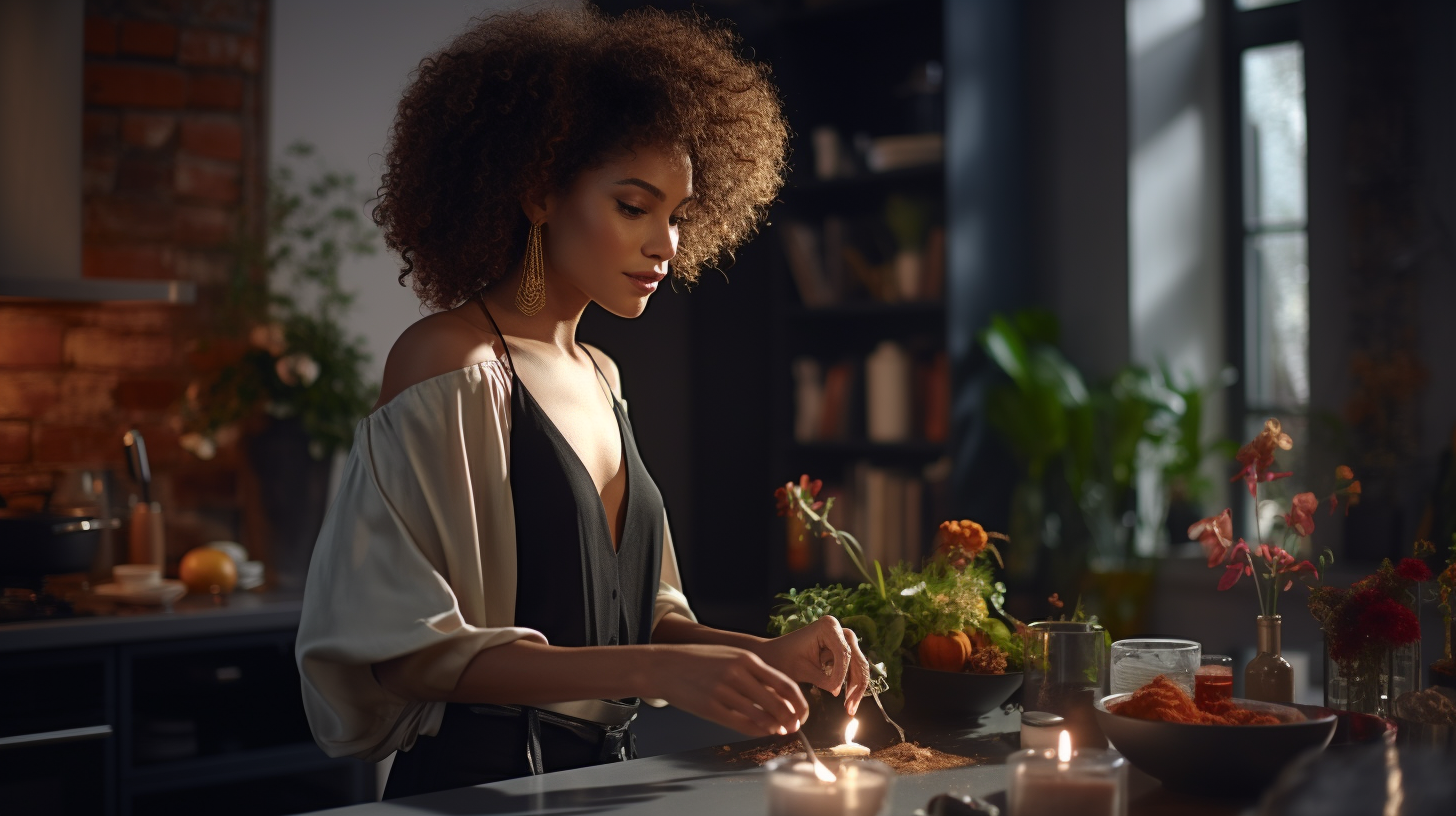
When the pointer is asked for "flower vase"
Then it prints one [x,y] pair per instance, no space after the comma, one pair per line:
[1370,684]
[293,491]
[1269,678]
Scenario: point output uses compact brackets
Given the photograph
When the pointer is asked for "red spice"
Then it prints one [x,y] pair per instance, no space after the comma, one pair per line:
[1166,701]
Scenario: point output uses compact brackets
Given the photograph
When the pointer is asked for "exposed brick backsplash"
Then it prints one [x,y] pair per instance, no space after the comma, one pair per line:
[173,168]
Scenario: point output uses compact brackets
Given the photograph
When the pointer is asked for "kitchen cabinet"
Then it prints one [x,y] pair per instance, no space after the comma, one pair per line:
[149,723]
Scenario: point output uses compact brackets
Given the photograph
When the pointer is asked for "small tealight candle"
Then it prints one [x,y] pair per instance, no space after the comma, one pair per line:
[848,748]
[1063,782]
[860,787]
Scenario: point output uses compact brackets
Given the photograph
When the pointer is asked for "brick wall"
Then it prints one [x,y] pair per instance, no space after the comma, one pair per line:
[173,170]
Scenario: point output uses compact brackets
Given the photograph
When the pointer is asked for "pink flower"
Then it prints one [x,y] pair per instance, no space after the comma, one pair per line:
[1236,569]
[1258,456]
[1301,513]
[1216,534]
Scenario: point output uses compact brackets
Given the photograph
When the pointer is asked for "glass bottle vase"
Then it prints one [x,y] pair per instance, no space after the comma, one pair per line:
[1269,678]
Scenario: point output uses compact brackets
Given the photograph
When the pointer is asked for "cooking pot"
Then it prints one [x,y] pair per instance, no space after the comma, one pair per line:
[33,544]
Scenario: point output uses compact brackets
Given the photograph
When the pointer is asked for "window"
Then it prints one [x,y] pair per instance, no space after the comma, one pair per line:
[1269,245]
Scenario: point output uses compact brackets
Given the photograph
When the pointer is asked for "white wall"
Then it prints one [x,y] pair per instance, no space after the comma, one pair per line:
[338,68]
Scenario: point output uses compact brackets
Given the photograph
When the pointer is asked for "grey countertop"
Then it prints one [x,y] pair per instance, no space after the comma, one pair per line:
[705,782]
[192,616]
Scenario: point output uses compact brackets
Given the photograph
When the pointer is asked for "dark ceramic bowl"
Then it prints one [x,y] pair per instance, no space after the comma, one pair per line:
[1218,760]
[956,694]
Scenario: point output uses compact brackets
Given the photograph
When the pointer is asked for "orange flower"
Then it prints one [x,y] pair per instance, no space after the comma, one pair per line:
[1344,473]
[1216,534]
[965,535]
[1301,513]
[1258,456]
[1056,600]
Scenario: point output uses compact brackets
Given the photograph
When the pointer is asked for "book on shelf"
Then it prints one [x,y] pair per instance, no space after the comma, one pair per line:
[843,260]
[904,398]
[887,153]
[893,513]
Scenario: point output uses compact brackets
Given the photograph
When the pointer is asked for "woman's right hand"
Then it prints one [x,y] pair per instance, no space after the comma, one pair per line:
[729,686]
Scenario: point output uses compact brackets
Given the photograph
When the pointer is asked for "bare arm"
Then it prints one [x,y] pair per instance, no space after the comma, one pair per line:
[822,653]
[724,684]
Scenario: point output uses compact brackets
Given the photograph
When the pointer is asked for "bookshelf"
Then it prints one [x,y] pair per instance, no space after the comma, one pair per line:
[733,341]
[890,477]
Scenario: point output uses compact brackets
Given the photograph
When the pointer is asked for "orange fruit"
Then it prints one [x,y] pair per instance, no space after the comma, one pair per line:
[203,568]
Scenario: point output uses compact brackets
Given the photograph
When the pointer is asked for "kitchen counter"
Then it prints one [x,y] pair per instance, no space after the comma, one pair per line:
[705,782]
[190,617]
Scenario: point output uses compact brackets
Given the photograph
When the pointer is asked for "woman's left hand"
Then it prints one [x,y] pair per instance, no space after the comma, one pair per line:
[803,655]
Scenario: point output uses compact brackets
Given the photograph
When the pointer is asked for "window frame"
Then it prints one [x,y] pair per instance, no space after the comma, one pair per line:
[1243,30]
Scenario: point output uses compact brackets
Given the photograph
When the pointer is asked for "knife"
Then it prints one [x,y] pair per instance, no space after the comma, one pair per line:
[136,462]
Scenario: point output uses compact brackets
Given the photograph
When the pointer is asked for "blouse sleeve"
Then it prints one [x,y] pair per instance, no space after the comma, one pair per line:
[670,597]
[416,557]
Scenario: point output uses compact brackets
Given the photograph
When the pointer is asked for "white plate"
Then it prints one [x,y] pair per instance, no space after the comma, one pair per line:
[164,593]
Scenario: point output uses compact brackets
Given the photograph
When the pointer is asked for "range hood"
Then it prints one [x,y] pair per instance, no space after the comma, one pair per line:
[40,162]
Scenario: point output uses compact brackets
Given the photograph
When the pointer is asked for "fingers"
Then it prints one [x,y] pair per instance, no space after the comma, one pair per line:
[749,717]
[785,689]
[831,638]
[768,689]
[859,675]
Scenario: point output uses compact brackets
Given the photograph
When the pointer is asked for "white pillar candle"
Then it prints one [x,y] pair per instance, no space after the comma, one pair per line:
[1063,782]
[849,748]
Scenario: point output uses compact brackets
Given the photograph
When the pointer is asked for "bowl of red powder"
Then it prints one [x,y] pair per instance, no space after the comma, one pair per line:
[1229,748]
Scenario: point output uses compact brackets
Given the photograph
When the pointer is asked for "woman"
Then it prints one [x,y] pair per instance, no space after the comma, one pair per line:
[495,585]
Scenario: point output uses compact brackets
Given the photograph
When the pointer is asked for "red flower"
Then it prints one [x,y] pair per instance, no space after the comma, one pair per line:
[1301,513]
[1413,569]
[1056,600]
[1236,569]
[1216,535]
[1388,622]
[785,499]
[1258,456]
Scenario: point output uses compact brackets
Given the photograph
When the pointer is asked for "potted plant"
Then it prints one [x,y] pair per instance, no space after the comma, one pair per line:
[279,373]
[943,615]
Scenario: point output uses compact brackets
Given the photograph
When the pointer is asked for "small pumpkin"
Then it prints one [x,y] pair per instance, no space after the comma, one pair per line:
[946,652]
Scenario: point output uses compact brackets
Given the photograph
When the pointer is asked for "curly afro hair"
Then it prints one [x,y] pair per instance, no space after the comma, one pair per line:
[524,102]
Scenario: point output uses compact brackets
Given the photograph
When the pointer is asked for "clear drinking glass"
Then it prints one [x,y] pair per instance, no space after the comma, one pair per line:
[1136,662]
[1066,672]
[1214,680]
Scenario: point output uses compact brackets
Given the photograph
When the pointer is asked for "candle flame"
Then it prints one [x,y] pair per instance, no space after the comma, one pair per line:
[850,729]
[1064,747]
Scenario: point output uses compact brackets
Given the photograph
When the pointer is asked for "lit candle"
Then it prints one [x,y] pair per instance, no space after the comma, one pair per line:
[849,748]
[855,787]
[1087,782]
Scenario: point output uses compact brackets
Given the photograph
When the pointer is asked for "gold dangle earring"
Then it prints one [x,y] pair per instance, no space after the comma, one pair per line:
[531,294]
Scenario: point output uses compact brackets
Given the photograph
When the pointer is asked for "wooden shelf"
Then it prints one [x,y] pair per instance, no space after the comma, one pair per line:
[870,450]
[924,309]
[864,189]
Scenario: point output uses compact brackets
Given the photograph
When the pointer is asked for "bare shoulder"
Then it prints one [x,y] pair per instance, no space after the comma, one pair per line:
[609,367]
[434,345]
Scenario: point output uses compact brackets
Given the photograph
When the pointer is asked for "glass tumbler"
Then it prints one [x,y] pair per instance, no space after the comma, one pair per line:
[1136,662]
[1066,673]
[1214,680]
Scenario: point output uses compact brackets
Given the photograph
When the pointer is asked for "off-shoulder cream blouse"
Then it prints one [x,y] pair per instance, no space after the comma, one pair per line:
[417,556]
